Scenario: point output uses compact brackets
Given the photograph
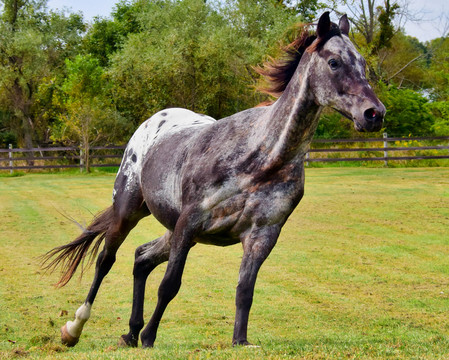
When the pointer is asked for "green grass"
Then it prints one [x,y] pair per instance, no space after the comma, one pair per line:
[361,271]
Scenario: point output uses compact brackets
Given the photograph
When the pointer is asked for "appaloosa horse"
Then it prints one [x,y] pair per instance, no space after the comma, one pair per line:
[222,182]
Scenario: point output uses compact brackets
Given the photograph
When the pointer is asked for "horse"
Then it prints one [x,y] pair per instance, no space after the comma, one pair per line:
[223,182]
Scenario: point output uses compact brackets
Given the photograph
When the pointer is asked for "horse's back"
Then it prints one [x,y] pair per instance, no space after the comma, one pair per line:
[164,123]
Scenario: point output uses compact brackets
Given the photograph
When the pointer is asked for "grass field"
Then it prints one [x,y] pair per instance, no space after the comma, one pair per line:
[361,271]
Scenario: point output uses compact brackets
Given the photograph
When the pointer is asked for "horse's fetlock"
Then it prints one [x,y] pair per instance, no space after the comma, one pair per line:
[136,325]
[83,312]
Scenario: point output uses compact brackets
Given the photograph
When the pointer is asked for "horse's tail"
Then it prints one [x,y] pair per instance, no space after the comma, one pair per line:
[69,256]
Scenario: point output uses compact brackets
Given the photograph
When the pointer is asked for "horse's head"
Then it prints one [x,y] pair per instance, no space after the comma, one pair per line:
[337,76]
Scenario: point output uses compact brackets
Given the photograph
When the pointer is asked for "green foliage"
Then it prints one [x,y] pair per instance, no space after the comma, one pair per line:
[407,113]
[84,78]
[6,136]
[106,36]
[385,18]
[33,46]
[333,126]
[438,71]
[197,54]
[188,55]
[403,63]
[440,110]
[89,115]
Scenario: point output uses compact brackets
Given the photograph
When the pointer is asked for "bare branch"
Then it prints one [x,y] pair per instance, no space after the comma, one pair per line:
[405,66]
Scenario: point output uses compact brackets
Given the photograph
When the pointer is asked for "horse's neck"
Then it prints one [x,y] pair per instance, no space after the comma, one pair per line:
[292,120]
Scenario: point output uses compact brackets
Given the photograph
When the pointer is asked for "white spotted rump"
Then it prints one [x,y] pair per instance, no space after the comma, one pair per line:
[161,124]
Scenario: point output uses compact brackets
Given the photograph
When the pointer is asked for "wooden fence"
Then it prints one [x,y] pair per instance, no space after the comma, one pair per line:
[385,149]
[59,158]
[403,149]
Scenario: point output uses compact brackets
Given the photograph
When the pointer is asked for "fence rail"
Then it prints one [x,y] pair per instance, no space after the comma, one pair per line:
[101,156]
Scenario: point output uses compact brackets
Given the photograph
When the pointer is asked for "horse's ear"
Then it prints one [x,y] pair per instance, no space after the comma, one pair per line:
[324,25]
[344,25]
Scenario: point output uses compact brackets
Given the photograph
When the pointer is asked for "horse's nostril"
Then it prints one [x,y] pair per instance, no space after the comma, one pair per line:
[371,114]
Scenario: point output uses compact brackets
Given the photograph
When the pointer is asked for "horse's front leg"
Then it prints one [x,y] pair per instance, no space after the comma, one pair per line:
[256,248]
[181,242]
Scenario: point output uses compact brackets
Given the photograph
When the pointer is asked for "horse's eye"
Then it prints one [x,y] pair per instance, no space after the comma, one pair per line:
[334,64]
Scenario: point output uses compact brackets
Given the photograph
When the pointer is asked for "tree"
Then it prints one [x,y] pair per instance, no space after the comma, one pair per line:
[408,112]
[307,9]
[334,126]
[440,110]
[106,36]
[88,115]
[386,14]
[33,45]
[437,74]
[438,84]
[403,63]
[6,135]
[375,20]
[196,54]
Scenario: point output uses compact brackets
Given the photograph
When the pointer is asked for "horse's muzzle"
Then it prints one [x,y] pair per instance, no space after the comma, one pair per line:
[372,120]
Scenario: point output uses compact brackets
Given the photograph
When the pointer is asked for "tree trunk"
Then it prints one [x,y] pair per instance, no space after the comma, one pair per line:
[86,153]
[28,138]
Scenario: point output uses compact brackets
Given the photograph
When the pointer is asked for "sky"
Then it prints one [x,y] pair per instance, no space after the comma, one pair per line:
[89,8]
[436,13]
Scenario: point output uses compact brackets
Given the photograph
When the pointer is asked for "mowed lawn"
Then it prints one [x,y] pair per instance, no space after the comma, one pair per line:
[361,270]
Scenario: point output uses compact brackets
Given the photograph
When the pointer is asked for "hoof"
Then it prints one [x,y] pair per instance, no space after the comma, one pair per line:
[245,344]
[147,340]
[66,338]
[125,341]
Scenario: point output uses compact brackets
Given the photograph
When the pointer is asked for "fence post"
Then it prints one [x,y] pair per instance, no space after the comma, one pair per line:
[81,160]
[10,158]
[385,136]
[307,158]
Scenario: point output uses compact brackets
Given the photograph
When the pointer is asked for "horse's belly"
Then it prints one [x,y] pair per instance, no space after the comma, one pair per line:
[217,240]
[165,213]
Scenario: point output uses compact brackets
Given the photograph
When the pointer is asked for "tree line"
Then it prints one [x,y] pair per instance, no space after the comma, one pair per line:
[66,81]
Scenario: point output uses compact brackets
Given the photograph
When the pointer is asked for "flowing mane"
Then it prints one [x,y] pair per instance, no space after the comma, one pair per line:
[277,72]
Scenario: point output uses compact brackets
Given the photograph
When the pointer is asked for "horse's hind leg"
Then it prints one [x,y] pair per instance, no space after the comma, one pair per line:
[128,209]
[148,257]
